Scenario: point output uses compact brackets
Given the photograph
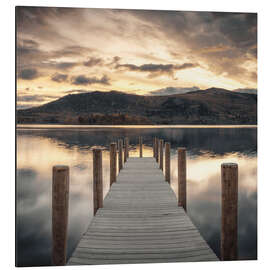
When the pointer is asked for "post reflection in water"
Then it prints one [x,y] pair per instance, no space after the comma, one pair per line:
[39,149]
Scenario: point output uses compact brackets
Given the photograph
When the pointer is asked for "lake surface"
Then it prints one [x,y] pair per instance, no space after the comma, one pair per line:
[41,147]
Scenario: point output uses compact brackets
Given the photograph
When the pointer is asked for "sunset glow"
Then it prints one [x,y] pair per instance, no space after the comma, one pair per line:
[63,50]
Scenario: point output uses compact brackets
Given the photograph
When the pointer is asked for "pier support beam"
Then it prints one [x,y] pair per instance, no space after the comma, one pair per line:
[140,143]
[167,162]
[120,154]
[112,163]
[182,179]
[126,149]
[229,205]
[97,179]
[161,154]
[60,197]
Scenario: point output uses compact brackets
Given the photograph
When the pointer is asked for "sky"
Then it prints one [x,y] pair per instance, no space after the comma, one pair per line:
[62,51]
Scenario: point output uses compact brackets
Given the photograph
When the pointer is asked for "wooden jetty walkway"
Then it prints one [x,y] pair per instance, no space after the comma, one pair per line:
[141,220]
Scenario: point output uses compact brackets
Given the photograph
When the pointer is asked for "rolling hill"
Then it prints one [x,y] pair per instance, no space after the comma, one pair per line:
[211,106]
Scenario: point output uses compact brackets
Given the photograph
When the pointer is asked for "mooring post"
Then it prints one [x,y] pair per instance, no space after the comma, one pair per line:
[161,154]
[126,150]
[112,163]
[140,143]
[229,205]
[97,179]
[120,154]
[157,149]
[60,197]
[167,162]
[182,179]
[154,149]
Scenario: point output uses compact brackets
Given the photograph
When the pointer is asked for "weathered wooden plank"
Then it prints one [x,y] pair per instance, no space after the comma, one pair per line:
[208,256]
[142,245]
[138,239]
[130,234]
[143,222]
[137,254]
[140,222]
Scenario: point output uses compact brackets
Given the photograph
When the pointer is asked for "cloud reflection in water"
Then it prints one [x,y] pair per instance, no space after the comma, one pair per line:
[38,150]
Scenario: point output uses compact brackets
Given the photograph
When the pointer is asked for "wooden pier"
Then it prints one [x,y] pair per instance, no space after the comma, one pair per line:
[141,220]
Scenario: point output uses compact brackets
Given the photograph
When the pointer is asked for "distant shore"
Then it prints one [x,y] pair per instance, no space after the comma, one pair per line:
[46,126]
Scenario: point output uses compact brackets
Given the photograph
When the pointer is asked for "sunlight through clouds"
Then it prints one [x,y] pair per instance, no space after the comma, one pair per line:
[132,48]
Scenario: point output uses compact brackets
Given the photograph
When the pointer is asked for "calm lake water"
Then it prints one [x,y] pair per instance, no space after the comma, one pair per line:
[41,147]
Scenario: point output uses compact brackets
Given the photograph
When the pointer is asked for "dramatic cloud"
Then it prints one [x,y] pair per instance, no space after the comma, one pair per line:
[30,55]
[65,65]
[83,80]
[71,51]
[115,60]
[77,91]
[58,77]
[223,41]
[93,61]
[27,47]
[28,74]
[172,48]
[156,69]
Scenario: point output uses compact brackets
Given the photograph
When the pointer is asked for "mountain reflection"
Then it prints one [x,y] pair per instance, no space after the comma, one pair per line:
[40,149]
[216,140]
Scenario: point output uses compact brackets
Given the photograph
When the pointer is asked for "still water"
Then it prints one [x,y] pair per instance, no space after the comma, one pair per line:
[41,147]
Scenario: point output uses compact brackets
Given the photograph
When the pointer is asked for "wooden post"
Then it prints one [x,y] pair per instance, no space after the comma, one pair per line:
[161,154]
[157,151]
[182,180]
[154,147]
[140,143]
[112,163]
[167,162]
[120,154]
[60,197]
[97,179]
[126,150]
[229,186]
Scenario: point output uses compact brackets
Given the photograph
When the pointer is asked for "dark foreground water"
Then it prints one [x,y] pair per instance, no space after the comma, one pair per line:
[39,148]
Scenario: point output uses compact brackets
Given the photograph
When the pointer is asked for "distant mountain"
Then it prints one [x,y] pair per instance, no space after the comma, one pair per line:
[211,106]
[246,90]
[173,91]
[183,90]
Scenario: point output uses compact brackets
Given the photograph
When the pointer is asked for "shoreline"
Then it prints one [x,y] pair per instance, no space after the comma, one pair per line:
[57,126]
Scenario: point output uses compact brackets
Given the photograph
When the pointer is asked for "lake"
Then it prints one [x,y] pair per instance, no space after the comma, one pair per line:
[39,147]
